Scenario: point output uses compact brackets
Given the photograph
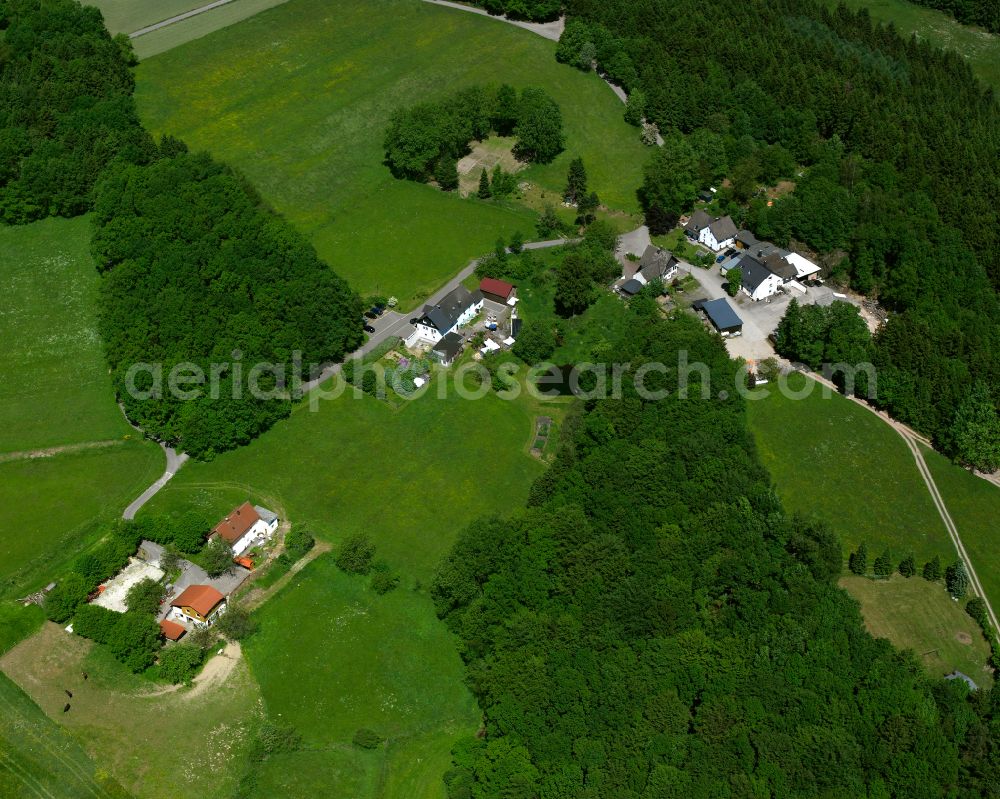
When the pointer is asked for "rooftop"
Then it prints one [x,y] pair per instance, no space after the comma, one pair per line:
[450,345]
[171,629]
[501,288]
[202,598]
[444,316]
[234,526]
[268,516]
[722,314]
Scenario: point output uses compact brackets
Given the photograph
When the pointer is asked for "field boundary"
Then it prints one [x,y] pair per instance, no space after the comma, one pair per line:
[194,12]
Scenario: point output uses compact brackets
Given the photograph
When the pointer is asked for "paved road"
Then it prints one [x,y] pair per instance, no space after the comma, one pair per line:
[547,30]
[174,462]
[180,17]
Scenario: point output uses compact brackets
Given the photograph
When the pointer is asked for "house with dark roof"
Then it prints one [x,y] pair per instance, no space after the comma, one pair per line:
[715,233]
[630,287]
[457,308]
[200,605]
[722,316]
[448,349]
[758,281]
[657,264]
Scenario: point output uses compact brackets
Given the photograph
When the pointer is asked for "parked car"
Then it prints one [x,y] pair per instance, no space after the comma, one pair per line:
[414,320]
[721,258]
[369,329]
[730,252]
[377,310]
[371,315]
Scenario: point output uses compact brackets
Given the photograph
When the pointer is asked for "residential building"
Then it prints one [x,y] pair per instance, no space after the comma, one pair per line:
[715,233]
[447,350]
[200,605]
[246,526]
[457,308]
[758,281]
[498,291]
[657,264]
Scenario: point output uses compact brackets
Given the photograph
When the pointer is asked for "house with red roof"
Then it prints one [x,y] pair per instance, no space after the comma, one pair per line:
[245,526]
[200,605]
[498,290]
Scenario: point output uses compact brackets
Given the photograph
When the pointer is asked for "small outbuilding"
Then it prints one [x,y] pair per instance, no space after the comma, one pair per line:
[497,290]
[171,630]
[722,316]
[631,287]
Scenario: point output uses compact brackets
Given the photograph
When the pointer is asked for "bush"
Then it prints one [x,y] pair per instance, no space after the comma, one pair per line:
[367,739]
[976,608]
[356,554]
[144,597]
[62,601]
[298,542]
[95,623]
[274,738]
[181,662]
[932,570]
[383,578]
[907,566]
[236,623]
[216,557]
[135,640]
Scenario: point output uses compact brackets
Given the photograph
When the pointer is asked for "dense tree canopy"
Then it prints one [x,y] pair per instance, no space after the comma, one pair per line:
[66,108]
[198,270]
[653,625]
[891,145]
[985,13]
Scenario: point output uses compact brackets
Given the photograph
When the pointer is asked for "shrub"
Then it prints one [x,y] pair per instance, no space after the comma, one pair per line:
[273,738]
[144,597]
[298,542]
[62,601]
[181,662]
[95,623]
[236,623]
[932,570]
[135,640]
[216,557]
[367,739]
[383,578]
[976,608]
[356,554]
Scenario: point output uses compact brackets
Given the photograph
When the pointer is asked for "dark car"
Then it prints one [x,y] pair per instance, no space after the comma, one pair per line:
[369,329]
[371,314]
[415,320]
[376,310]
[721,258]
[730,252]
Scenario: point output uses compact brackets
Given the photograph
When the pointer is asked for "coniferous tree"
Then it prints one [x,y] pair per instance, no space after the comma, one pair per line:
[446,173]
[858,561]
[883,564]
[576,181]
[907,566]
[484,192]
[956,579]
[932,569]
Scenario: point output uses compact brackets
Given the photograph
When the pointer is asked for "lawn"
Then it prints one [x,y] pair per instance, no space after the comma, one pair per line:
[56,388]
[125,16]
[833,459]
[173,743]
[974,505]
[39,759]
[298,97]
[920,616]
[332,656]
[975,45]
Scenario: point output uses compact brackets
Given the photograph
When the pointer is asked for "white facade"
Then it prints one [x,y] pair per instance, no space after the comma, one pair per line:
[804,268]
[178,615]
[261,530]
[431,335]
[767,288]
[707,238]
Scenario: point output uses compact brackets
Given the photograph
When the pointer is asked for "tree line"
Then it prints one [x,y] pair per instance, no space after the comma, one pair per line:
[892,146]
[984,13]
[653,624]
[196,268]
[426,140]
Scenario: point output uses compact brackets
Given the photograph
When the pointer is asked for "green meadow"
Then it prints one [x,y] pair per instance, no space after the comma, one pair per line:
[298,98]
[68,458]
[125,16]
[833,459]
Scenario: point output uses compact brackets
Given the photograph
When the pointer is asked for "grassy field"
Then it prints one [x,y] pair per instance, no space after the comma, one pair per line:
[56,388]
[382,662]
[918,615]
[975,45]
[39,759]
[974,505]
[833,459]
[125,16]
[281,97]
[187,744]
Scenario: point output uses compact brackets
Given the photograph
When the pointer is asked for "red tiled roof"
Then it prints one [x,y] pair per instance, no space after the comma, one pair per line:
[235,525]
[501,288]
[201,598]
[172,629]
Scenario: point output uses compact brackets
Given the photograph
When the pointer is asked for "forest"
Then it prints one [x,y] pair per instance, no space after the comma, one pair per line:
[534,10]
[196,268]
[653,624]
[984,13]
[893,146]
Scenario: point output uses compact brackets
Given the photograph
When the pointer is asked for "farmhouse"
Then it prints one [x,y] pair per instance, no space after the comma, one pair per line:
[766,267]
[758,281]
[245,526]
[458,307]
[448,349]
[715,233]
[200,605]
[722,316]
[657,264]
[498,290]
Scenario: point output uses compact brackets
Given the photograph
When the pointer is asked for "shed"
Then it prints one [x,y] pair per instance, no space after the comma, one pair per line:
[171,630]
[721,314]
[631,287]
[497,290]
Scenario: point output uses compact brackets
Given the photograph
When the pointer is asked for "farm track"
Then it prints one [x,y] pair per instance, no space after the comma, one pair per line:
[913,441]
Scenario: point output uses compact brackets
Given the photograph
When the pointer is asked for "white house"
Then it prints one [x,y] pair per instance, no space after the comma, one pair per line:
[245,526]
[457,308]
[716,234]
[657,264]
[758,282]
[197,605]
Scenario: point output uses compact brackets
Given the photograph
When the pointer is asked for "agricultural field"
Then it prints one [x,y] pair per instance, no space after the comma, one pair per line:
[332,656]
[974,505]
[837,461]
[118,718]
[917,615]
[279,97]
[125,16]
[980,48]
[68,458]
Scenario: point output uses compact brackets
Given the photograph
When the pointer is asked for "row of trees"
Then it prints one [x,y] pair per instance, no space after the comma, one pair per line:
[896,142]
[427,139]
[198,270]
[645,629]
[985,13]
[534,10]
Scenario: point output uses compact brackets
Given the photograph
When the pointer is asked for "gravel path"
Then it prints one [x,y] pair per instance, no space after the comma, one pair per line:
[179,18]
